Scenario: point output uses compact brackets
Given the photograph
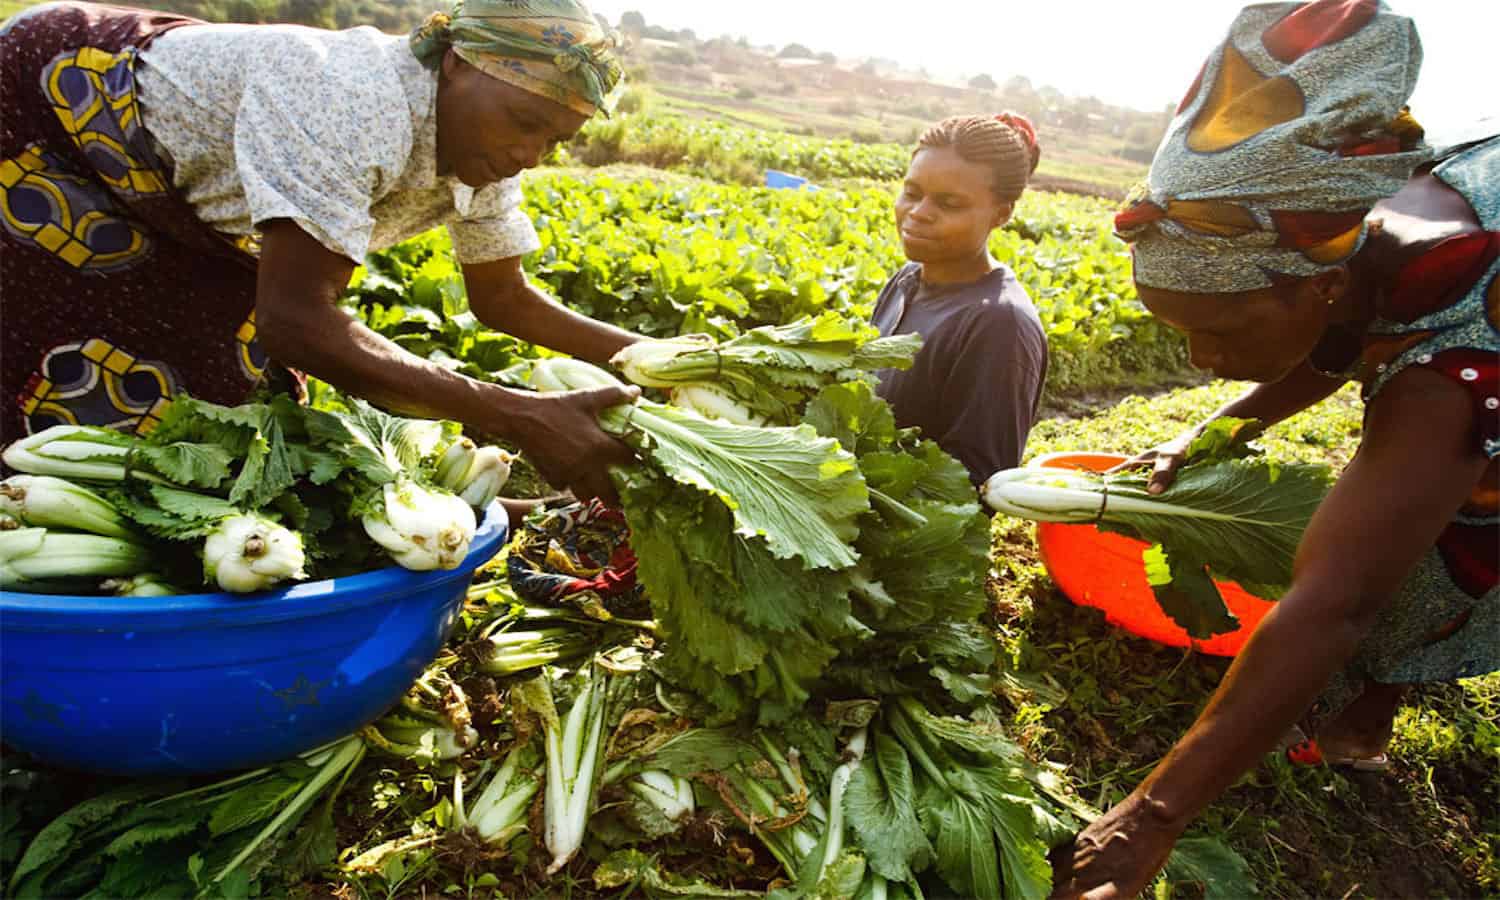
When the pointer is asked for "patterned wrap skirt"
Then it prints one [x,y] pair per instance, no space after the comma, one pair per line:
[113,295]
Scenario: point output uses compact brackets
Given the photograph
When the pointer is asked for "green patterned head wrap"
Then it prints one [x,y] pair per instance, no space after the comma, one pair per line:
[554,48]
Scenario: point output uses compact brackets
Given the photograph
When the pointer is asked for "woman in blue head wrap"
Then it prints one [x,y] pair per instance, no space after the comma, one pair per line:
[1301,235]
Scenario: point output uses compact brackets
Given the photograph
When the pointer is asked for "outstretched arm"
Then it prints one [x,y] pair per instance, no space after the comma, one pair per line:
[299,323]
[504,300]
[1417,465]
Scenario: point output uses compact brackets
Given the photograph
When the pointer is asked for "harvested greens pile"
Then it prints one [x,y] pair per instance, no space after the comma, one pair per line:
[239,499]
[809,711]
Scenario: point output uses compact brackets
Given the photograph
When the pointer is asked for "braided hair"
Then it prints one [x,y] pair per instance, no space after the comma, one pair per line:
[1006,143]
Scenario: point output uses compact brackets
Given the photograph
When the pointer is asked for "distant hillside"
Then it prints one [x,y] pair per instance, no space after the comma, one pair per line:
[1088,146]
[797,89]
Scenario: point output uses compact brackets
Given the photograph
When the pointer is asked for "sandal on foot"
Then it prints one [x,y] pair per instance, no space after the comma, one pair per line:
[1307,753]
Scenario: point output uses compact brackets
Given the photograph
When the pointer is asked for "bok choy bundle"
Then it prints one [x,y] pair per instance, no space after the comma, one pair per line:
[1230,514]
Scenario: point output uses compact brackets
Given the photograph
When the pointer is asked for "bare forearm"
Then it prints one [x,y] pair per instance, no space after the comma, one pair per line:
[536,318]
[1270,403]
[1275,678]
[330,345]
[1367,536]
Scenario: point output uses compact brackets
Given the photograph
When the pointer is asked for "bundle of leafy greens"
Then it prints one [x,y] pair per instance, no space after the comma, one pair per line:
[1229,514]
[767,374]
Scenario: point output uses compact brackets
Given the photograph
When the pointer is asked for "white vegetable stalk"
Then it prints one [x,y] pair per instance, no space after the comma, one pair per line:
[454,465]
[854,753]
[422,528]
[43,501]
[474,473]
[33,557]
[1057,495]
[75,451]
[672,796]
[251,553]
[573,758]
[487,476]
[499,813]
[713,403]
[421,740]
[636,360]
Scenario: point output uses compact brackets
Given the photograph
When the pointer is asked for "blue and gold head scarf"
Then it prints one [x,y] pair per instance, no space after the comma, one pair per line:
[1293,130]
[554,48]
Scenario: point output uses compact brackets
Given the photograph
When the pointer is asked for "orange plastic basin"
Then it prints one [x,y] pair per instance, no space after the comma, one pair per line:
[1105,571]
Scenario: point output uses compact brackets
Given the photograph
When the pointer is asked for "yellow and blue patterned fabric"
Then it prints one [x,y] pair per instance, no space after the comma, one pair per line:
[93,382]
[1294,129]
[553,48]
[115,295]
[93,94]
[75,219]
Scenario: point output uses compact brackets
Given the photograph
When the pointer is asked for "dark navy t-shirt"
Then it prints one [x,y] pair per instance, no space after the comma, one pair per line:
[976,383]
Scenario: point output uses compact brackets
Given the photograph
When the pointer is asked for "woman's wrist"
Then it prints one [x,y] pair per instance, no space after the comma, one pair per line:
[1161,811]
[500,411]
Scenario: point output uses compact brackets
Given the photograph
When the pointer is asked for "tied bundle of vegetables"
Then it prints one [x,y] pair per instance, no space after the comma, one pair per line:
[750,626]
[767,374]
[1229,514]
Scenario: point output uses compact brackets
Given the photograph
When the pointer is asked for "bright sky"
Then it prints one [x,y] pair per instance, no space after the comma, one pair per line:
[1134,53]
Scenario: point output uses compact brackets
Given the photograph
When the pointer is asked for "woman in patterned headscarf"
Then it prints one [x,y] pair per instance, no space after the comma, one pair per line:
[180,199]
[1301,235]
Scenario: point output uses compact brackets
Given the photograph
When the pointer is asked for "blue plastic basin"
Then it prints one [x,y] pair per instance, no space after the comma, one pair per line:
[207,682]
[778,179]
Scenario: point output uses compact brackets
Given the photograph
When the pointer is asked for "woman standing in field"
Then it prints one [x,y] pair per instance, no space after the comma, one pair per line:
[977,382]
[1301,235]
[181,199]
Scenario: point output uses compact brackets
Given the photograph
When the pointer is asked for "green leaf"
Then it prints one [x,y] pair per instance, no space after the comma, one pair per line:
[314,845]
[252,803]
[381,447]
[800,492]
[1225,438]
[841,878]
[1209,864]
[880,804]
[851,414]
[192,506]
[963,844]
[63,834]
[1187,594]
[194,465]
[268,465]
[149,833]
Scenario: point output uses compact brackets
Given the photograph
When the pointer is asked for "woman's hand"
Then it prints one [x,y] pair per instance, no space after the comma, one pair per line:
[562,438]
[1165,459]
[1117,855]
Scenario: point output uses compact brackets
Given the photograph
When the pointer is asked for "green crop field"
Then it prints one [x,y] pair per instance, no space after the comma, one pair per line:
[1042,713]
